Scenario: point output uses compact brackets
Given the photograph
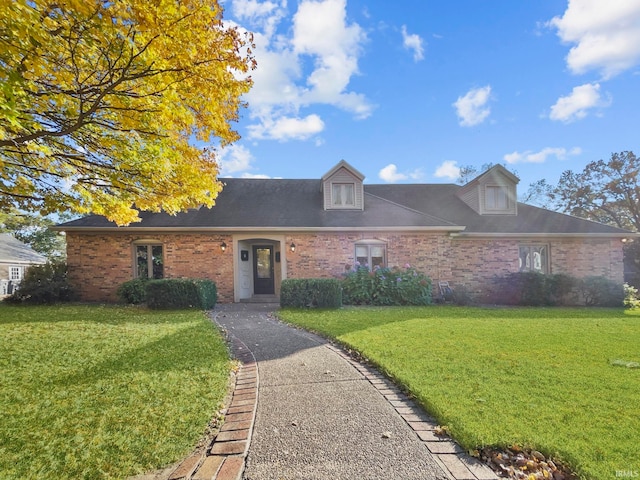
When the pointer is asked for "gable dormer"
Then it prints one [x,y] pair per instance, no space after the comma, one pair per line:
[342,188]
[494,192]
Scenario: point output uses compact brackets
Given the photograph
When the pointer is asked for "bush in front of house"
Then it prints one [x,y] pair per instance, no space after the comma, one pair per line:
[601,292]
[311,292]
[44,284]
[534,289]
[178,293]
[386,286]
[133,291]
[537,289]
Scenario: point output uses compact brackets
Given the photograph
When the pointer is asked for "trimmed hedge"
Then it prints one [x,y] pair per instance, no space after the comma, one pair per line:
[602,292]
[177,293]
[311,292]
[537,289]
[134,291]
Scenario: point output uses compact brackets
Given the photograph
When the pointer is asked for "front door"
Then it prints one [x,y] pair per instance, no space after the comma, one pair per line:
[263,282]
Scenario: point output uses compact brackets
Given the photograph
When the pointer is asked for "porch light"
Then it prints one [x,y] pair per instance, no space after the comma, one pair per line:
[223,246]
[292,247]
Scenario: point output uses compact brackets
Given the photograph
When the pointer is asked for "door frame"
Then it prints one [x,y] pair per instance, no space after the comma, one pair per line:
[245,241]
[264,285]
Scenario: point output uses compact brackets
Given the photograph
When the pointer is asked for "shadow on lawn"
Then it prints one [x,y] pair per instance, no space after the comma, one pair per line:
[163,355]
[109,314]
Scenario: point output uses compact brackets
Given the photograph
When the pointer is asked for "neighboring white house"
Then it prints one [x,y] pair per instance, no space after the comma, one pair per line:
[15,258]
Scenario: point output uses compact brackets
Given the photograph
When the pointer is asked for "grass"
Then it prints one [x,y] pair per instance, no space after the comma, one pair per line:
[104,392]
[558,380]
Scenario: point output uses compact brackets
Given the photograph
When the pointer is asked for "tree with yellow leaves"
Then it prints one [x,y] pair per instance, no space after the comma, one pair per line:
[101,102]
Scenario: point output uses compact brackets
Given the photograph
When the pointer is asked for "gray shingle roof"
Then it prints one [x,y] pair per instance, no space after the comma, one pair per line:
[14,251]
[289,204]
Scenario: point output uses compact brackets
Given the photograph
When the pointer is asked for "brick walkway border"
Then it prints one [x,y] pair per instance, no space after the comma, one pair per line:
[446,452]
[225,457]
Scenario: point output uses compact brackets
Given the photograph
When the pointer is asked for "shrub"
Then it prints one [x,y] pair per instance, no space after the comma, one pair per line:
[534,289]
[134,291]
[177,293]
[601,292]
[42,284]
[562,289]
[386,286]
[311,292]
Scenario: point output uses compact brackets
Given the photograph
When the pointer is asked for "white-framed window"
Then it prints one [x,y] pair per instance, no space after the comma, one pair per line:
[343,195]
[534,258]
[496,197]
[371,255]
[16,273]
[149,260]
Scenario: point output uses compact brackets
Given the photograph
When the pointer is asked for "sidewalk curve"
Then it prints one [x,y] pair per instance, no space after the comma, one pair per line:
[321,415]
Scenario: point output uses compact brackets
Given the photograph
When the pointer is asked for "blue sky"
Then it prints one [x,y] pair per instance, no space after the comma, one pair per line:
[410,91]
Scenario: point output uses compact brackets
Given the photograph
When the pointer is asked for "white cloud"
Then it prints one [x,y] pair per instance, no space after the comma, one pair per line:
[540,157]
[252,9]
[576,105]
[390,174]
[606,37]
[251,175]
[311,64]
[448,169]
[287,128]
[234,158]
[472,108]
[259,15]
[320,30]
[413,42]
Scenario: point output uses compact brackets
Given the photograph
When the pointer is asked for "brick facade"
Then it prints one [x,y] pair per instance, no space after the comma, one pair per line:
[477,261]
[99,262]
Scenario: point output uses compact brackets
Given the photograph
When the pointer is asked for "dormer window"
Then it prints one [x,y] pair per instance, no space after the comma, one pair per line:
[496,198]
[492,193]
[343,195]
[342,188]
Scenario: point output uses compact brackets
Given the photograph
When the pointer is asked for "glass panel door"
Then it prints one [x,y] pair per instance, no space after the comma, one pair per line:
[263,280]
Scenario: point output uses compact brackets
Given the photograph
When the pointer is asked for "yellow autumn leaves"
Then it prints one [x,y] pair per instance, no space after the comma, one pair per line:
[101,103]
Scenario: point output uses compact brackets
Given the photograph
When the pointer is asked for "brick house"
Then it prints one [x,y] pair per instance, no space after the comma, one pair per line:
[264,230]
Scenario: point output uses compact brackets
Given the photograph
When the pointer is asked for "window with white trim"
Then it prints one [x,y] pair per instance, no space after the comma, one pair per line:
[149,261]
[343,195]
[496,197]
[371,256]
[15,273]
[534,258]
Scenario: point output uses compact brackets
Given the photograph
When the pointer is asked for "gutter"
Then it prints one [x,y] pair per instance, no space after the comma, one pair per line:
[407,228]
[476,235]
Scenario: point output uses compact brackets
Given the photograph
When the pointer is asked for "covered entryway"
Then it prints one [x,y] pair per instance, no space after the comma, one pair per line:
[259,267]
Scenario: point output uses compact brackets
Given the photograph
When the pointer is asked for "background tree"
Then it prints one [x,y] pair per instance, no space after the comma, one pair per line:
[101,101]
[606,192]
[33,229]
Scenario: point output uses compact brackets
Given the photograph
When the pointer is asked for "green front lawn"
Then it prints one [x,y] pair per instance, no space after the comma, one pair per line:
[104,392]
[562,381]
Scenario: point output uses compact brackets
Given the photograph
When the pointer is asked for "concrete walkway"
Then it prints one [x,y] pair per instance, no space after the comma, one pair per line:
[303,409]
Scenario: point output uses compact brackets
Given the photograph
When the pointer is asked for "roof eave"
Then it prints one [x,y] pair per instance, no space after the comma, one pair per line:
[475,235]
[406,228]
